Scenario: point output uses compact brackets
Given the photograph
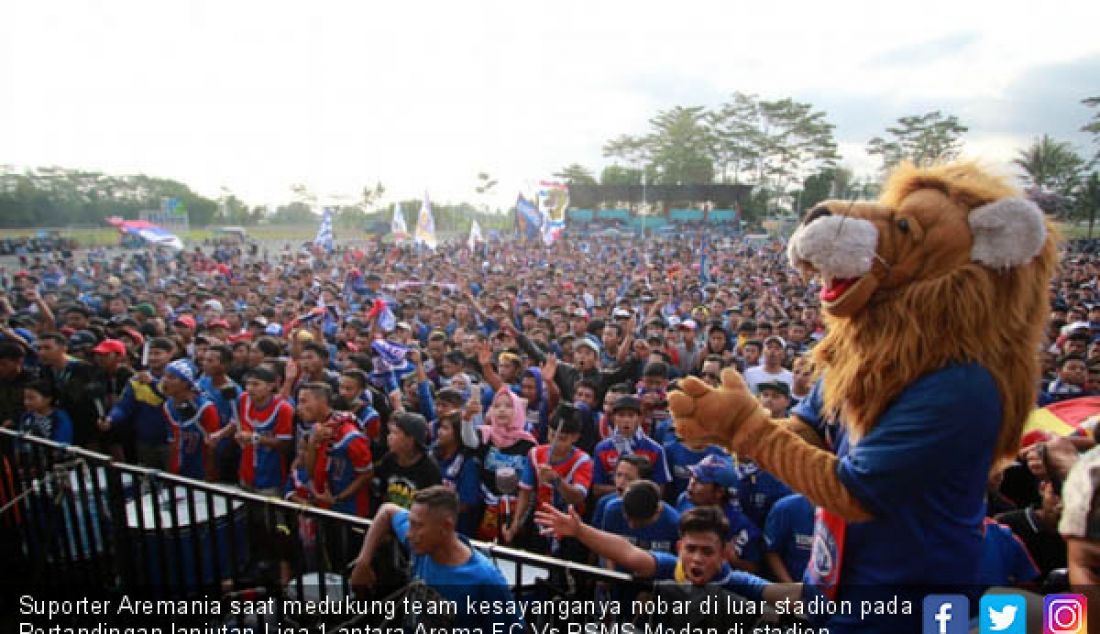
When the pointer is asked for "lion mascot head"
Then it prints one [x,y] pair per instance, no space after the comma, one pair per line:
[951,265]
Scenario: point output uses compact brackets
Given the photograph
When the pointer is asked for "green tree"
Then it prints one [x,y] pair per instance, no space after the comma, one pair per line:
[1051,166]
[1093,126]
[575,174]
[617,175]
[922,139]
[679,146]
[734,127]
[1088,199]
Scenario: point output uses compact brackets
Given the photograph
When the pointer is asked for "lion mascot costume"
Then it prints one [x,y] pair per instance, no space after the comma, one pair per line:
[935,299]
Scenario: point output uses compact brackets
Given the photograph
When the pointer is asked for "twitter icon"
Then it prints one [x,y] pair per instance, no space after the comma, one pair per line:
[1003,614]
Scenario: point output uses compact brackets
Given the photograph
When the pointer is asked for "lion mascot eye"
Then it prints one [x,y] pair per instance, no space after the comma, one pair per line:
[903,225]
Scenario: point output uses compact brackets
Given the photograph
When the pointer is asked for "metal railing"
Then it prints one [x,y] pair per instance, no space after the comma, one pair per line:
[78,523]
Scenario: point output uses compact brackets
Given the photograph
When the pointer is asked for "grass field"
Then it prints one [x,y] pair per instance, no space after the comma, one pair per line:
[108,236]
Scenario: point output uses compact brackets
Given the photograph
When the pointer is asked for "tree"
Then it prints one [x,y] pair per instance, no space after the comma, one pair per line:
[1093,126]
[575,174]
[1088,200]
[296,213]
[790,139]
[733,134]
[922,139]
[1051,166]
[616,175]
[629,149]
[679,146]
[831,182]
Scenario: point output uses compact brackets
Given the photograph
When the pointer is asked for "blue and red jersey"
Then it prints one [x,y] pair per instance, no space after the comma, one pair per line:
[608,451]
[575,470]
[264,467]
[187,438]
[343,459]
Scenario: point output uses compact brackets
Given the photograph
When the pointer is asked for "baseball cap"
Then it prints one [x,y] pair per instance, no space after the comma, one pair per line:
[82,339]
[414,426]
[275,330]
[627,402]
[1081,511]
[580,312]
[108,346]
[182,369]
[213,304]
[146,309]
[620,313]
[132,333]
[688,324]
[186,320]
[775,338]
[777,386]
[714,470]
[585,342]
[217,323]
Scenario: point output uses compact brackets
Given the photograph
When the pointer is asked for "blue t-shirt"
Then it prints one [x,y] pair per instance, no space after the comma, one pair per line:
[477,578]
[600,511]
[921,472]
[744,534]
[460,474]
[746,584]
[757,491]
[789,533]
[1005,560]
[679,458]
[660,535]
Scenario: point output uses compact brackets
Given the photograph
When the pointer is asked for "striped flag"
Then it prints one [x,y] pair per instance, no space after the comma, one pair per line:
[425,225]
[324,232]
[1073,417]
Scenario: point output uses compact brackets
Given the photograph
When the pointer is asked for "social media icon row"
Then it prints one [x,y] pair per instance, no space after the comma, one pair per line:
[1004,614]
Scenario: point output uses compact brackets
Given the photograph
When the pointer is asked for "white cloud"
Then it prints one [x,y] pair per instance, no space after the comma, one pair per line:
[259,95]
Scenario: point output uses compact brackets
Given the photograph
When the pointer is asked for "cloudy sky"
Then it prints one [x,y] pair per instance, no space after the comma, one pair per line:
[255,96]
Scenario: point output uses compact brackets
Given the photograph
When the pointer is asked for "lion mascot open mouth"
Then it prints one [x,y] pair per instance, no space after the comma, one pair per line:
[935,298]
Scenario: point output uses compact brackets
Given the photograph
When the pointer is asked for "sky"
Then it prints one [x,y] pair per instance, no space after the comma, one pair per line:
[253,97]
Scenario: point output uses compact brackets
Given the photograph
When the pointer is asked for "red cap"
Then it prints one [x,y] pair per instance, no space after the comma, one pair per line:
[218,323]
[137,337]
[186,320]
[243,336]
[108,346]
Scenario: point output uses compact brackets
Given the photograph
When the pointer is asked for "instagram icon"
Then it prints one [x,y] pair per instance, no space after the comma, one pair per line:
[1065,614]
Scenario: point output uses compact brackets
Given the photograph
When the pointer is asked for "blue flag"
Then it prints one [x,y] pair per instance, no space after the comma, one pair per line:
[324,232]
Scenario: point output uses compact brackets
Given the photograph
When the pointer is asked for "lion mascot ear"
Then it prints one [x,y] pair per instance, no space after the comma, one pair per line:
[1007,233]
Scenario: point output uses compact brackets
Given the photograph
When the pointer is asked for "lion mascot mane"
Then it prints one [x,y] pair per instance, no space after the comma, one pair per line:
[949,269]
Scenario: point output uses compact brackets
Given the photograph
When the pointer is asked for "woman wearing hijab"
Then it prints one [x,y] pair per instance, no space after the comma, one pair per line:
[502,445]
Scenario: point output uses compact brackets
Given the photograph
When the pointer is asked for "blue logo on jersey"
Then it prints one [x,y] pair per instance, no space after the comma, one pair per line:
[946,614]
[1003,614]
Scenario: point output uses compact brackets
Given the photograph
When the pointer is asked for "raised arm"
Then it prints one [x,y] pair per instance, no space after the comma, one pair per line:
[607,545]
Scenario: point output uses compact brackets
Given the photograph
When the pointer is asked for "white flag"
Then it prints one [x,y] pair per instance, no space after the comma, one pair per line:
[475,235]
[397,225]
[425,224]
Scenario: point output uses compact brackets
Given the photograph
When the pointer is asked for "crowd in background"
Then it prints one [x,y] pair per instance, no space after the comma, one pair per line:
[513,374]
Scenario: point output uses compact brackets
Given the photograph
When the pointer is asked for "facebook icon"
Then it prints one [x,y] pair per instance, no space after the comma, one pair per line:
[946,614]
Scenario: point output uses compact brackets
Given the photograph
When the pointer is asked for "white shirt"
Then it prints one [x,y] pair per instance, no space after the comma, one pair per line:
[756,375]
